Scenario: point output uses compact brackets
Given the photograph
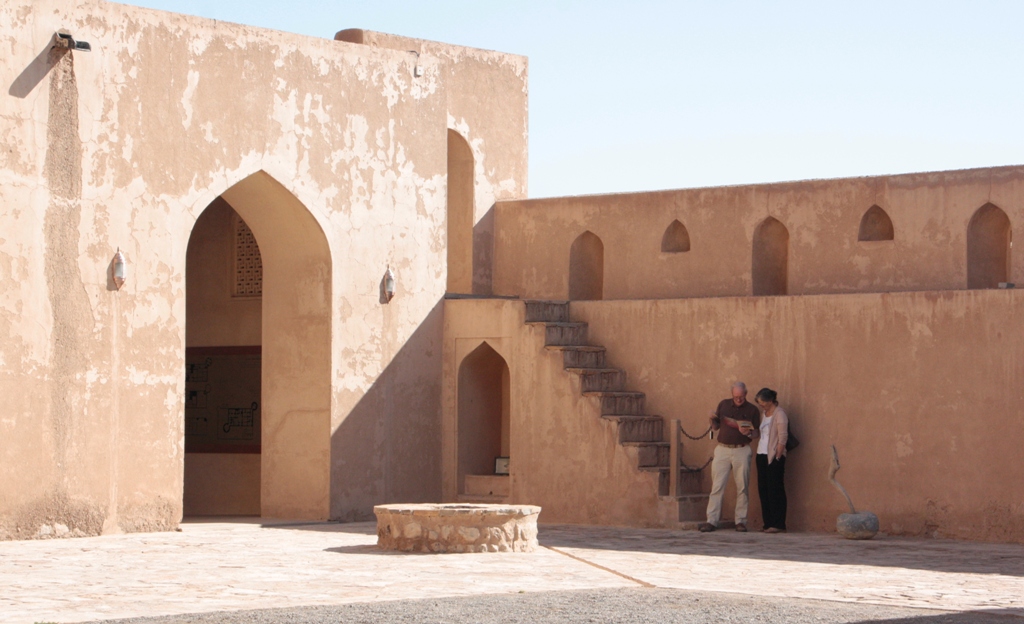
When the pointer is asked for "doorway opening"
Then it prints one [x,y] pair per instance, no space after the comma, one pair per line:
[770,258]
[483,424]
[586,267]
[988,248]
[258,357]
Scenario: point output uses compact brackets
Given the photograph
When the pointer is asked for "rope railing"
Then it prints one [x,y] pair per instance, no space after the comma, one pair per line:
[678,460]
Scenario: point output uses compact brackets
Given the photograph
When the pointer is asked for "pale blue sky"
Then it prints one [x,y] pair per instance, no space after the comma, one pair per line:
[654,95]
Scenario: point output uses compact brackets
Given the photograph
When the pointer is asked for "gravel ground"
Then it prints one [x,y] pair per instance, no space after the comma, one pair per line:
[607,605]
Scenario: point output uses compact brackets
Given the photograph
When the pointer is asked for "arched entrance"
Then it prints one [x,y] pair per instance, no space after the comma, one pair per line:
[289,311]
[988,248]
[586,267]
[770,258]
[483,422]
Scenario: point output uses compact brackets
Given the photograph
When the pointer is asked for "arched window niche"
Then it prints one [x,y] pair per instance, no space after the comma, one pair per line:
[989,236]
[676,239]
[586,268]
[770,258]
[875,225]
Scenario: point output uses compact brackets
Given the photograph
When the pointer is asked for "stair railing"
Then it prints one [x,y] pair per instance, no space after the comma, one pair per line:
[675,462]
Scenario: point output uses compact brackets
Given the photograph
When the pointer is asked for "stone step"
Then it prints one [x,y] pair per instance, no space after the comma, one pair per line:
[693,507]
[637,428]
[600,379]
[620,402]
[690,481]
[652,454]
[547,311]
[564,334]
[486,485]
[480,498]
[581,356]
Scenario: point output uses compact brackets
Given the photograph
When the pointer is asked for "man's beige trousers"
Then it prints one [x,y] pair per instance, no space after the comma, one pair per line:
[736,461]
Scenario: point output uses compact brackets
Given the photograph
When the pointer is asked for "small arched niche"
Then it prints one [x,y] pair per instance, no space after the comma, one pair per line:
[586,267]
[875,225]
[770,258]
[988,248]
[676,239]
[483,412]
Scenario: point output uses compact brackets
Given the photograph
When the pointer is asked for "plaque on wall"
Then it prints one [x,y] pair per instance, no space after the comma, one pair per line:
[501,465]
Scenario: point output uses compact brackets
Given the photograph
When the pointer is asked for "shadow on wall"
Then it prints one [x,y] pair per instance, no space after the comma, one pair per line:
[898,552]
[33,74]
[388,447]
[483,254]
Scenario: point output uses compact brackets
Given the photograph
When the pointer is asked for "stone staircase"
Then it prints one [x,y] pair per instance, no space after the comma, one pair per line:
[638,429]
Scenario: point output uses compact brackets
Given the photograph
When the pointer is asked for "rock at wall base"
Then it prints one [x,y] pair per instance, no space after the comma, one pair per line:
[858,526]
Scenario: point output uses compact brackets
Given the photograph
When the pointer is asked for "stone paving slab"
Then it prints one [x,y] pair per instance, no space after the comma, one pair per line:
[921,573]
[231,566]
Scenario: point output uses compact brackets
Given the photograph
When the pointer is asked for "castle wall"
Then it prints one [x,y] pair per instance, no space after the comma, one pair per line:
[125,146]
[930,213]
[563,456]
[919,392]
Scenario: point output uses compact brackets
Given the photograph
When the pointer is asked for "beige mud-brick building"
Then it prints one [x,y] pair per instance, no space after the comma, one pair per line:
[260,186]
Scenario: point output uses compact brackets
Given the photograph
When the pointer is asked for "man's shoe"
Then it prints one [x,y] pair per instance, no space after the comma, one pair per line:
[742,528]
[706,527]
[774,530]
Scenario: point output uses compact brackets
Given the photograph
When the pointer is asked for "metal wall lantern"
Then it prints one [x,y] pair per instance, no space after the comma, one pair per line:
[389,284]
[66,41]
[119,269]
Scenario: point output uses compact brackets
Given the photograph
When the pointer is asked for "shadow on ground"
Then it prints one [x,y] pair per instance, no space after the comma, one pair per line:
[625,606]
[913,553]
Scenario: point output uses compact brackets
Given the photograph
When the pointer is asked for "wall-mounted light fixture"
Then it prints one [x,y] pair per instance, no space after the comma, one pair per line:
[119,269]
[389,284]
[66,41]
[417,69]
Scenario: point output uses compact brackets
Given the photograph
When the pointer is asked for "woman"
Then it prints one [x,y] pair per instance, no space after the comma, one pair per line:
[771,461]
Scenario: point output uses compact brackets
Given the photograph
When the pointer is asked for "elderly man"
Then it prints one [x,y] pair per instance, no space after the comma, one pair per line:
[737,423]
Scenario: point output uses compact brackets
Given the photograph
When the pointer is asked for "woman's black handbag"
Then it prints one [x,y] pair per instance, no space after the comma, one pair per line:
[791,441]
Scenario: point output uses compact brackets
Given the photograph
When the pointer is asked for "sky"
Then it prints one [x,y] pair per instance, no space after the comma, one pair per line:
[658,95]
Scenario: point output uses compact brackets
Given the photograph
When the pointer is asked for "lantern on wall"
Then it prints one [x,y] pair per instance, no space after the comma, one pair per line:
[119,269]
[389,284]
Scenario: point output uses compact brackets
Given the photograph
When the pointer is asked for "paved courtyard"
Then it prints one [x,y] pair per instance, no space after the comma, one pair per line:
[334,572]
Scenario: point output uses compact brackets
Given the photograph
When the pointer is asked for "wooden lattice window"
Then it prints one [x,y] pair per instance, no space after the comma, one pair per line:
[248,263]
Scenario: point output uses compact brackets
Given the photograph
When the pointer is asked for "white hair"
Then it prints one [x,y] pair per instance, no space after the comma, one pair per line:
[742,386]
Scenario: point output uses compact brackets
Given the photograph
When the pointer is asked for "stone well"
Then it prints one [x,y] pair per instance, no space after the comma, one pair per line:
[457,528]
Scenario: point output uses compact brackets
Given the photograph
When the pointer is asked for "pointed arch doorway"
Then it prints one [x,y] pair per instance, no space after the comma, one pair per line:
[292,312]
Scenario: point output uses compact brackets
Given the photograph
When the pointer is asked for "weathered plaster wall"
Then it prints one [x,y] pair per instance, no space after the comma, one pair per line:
[563,456]
[125,147]
[488,108]
[930,213]
[920,393]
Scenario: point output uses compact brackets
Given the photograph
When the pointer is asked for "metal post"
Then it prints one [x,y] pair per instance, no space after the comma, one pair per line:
[673,457]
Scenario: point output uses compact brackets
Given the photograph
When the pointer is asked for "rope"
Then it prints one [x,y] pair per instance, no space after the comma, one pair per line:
[692,469]
[694,438]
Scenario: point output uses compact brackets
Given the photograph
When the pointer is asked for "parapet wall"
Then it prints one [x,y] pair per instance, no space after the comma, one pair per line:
[930,215]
